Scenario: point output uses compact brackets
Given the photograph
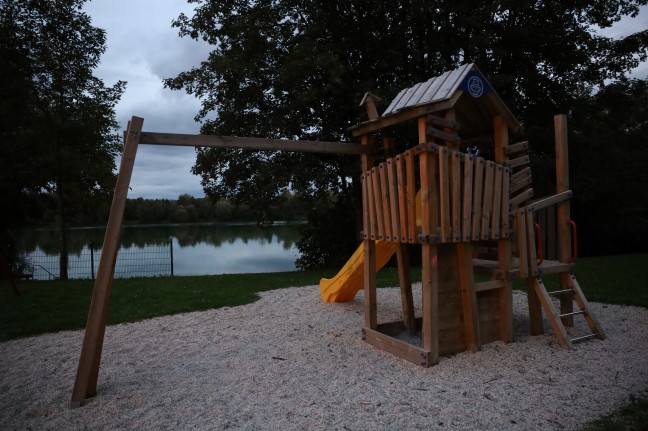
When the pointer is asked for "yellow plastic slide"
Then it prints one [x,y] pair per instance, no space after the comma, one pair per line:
[344,286]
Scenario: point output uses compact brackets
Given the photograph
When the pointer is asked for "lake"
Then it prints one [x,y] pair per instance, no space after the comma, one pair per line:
[178,249]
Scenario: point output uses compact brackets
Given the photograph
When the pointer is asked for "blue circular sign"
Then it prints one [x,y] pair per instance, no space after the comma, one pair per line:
[475,86]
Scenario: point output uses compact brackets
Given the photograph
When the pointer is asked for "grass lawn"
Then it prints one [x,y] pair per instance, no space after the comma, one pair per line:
[52,306]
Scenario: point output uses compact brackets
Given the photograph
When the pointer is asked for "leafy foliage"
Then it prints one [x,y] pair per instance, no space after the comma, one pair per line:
[297,69]
[58,119]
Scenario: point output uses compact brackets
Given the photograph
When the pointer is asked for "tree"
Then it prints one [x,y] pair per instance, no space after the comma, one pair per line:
[59,136]
[289,69]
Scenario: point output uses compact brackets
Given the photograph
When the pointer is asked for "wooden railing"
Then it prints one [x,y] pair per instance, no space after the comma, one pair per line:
[472,196]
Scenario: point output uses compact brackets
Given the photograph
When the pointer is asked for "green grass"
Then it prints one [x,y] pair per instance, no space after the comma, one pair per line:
[52,306]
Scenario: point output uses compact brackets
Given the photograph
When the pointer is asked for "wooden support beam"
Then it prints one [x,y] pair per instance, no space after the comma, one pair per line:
[563,211]
[369,247]
[85,384]
[467,196]
[478,194]
[430,268]
[253,144]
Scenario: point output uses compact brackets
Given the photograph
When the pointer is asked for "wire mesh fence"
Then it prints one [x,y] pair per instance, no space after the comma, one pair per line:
[150,260]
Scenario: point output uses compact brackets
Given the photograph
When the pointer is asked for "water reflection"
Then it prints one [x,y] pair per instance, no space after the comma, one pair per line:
[197,248]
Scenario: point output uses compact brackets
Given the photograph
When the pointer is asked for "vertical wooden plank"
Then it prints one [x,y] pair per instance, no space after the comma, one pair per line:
[444,193]
[369,247]
[366,226]
[410,169]
[456,196]
[478,194]
[504,244]
[85,384]
[531,243]
[497,202]
[402,197]
[522,242]
[429,270]
[468,296]
[506,207]
[394,199]
[386,210]
[552,234]
[371,198]
[467,197]
[487,200]
[377,206]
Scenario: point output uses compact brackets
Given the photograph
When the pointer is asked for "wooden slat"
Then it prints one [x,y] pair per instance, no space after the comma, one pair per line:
[443,122]
[504,211]
[531,243]
[552,234]
[410,169]
[478,195]
[456,195]
[366,228]
[401,180]
[254,144]
[488,200]
[467,196]
[375,180]
[497,203]
[397,347]
[520,161]
[522,242]
[514,202]
[393,199]
[488,285]
[444,193]
[526,172]
[521,182]
[551,200]
[438,134]
[386,208]
[517,148]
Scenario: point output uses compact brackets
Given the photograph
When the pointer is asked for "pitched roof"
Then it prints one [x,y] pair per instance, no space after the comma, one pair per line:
[465,88]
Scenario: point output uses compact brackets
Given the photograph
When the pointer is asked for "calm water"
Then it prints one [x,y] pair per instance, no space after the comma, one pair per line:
[197,249]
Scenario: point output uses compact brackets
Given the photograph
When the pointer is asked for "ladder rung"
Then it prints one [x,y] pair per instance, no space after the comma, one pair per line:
[560,292]
[584,337]
[574,313]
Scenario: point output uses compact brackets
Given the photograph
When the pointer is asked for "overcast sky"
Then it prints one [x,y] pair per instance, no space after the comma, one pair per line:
[143,49]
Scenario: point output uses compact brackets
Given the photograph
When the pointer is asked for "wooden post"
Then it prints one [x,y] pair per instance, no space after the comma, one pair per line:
[504,244]
[371,319]
[563,212]
[85,385]
[429,270]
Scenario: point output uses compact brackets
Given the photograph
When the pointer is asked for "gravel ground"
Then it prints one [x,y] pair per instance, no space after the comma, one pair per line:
[291,362]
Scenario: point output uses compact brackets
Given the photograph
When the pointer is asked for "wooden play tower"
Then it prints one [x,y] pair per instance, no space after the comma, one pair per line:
[476,217]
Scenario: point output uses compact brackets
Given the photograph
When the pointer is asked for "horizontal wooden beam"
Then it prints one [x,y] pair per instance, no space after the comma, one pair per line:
[551,200]
[253,144]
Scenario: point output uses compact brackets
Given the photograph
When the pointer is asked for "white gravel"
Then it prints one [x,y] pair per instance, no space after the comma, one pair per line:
[291,362]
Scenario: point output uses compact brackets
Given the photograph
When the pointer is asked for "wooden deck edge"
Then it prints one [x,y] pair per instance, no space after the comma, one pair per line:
[397,347]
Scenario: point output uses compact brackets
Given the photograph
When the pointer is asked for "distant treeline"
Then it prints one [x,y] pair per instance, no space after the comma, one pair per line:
[186,209]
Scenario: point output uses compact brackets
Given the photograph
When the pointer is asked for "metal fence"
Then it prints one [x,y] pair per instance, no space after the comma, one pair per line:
[147,261]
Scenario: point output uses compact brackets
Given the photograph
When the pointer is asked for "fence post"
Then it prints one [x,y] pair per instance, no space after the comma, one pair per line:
[171,251]
[91,245]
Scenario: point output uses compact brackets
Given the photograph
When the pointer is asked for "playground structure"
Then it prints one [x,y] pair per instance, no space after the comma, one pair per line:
[476,217]
[468,214]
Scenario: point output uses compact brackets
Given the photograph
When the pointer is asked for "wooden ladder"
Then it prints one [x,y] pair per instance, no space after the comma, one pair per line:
[560,319]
